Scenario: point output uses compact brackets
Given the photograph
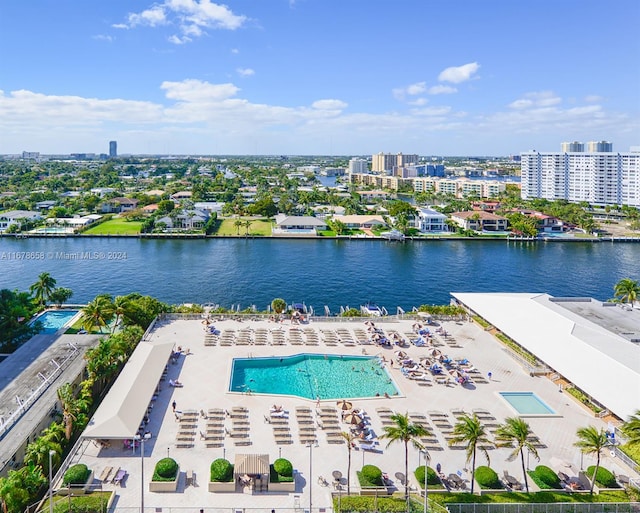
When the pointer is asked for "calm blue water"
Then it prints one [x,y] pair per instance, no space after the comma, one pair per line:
[318,272]
[527,403]
[311,376]
[53,320]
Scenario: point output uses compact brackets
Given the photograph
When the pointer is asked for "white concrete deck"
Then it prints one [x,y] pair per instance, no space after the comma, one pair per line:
[205,374]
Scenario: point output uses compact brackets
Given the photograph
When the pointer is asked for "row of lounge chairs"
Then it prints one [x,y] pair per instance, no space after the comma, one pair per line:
[187,426]
[114,475]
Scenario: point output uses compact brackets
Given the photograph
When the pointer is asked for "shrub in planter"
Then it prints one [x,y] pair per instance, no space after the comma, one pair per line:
[166,470]
[487,478]
[371,476]
[432,476]
[221,471]
[547,477]
[283,467]
[604,478]
[76,474]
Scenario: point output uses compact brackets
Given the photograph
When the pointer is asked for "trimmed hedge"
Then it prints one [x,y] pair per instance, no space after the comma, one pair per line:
[366,504]
[545,478]
[432,476]
[283,467]
[274,477]
[76,474]
[370,475]
[604,478]
[166,470]
[221,471]
[486,477]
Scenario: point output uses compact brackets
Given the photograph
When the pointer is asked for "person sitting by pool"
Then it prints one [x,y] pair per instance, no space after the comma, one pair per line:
[276,408]
[386,395]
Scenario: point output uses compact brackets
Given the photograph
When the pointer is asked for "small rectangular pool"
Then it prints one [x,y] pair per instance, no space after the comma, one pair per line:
[527,404]
[53,320]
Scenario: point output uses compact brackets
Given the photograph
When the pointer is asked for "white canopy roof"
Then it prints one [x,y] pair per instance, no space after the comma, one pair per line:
[600,362]
[122,410]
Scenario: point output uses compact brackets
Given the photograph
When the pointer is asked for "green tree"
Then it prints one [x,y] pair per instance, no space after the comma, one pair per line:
[42,289]
[592,440]
[16,308]
[627,290]
[37,453]
[405,431]
[238,224]
[470,431]
[631,429]
[98,313]
[61,295]
[350,439]
[278,305]
[20,488]
[515,433]
[121,308]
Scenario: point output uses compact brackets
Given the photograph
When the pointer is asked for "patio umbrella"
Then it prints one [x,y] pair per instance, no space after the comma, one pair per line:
[345,405]
[352,418]
[436,352]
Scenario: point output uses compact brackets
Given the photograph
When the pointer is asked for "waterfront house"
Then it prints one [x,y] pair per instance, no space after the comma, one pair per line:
[428,220]
[479,221]
[362,222]
[45,205]
[298,225]
[187,219]
[17,217]
[322,211]
[119,205]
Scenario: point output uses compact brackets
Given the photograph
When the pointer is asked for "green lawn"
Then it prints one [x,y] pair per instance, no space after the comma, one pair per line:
[260,227]
[115,226]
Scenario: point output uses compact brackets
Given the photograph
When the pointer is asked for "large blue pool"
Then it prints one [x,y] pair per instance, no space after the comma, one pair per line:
[53,320]
[527,404]
[312,375]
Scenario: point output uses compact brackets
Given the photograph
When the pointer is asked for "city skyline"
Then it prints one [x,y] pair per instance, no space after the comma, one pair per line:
[311,77]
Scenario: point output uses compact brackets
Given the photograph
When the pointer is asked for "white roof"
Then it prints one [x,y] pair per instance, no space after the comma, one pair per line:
[600,362]
[122,410]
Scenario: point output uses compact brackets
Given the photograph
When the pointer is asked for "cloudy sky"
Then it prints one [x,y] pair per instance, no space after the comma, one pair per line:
[341,77]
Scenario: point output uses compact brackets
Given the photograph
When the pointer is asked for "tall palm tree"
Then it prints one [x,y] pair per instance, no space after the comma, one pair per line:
[592,441]
[37,452]
[71,408]
[627,290]
[43,288]
[238,223]
[121,308]
[469,430]
[349,438]
[631,429]
[405,431]
[515,433]
[97,313]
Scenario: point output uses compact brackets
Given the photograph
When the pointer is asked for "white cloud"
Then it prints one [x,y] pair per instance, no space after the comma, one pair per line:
[458,74]
[401,93]
[442,89]
[593,98]
[536,100]
[418,102]
[432,111]
[245,72]
[329,104]
[192,90]
[103,37]
[193,17]
[235,51]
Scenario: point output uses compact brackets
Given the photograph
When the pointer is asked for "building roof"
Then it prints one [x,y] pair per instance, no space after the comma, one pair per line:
[20,214]
[361,219]
[285,220]
[251,464]
[123,408]
[580,338]
[482,215]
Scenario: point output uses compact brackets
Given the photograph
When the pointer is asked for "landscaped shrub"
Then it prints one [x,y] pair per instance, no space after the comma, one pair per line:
[487,478]
[432,476]
[544,477]
[76,474]
[604,478]
[221,471]
[283,467]
[166,470]
[366,504]
[274,477]
[370,475]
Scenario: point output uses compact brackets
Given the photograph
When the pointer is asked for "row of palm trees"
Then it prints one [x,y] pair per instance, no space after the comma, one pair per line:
[514,433]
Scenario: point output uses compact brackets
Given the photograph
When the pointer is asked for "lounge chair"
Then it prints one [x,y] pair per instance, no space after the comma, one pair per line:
[369,446]
[121,474]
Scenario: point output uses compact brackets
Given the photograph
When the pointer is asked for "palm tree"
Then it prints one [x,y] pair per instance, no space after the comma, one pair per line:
[631,429]
[470,431]
[37,452]
[247,225]
[349,438]
[592,441]
[72,408]
[278,305]
[515,432]
[43,288]
[121,307]
[405,431]
[238,223]
[97,313]
[627,290]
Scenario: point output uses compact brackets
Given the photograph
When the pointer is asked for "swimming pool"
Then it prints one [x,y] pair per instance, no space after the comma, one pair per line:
[53,320]
[527,404]
[312,375]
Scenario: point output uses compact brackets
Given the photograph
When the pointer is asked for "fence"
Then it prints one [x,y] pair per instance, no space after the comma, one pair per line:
[559,507]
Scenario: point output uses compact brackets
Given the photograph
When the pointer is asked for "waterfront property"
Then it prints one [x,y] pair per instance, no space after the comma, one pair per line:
[184,363]
[53,320]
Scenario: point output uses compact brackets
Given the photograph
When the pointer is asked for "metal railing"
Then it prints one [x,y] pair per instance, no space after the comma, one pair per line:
[558,507]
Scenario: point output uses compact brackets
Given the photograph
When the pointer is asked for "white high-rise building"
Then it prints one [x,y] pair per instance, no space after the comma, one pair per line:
[358,166]
[599,146]
[571,147]
[598,178]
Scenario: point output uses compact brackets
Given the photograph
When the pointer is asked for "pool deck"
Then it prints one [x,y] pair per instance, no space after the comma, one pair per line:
[205,373]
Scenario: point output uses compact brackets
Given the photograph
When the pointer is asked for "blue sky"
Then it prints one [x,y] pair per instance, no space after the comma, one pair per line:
[343,77]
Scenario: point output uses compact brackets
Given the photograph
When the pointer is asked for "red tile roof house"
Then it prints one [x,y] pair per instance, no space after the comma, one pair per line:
[479,220]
